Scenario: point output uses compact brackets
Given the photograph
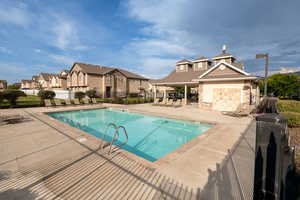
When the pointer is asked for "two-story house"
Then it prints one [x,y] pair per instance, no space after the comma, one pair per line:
[107,81]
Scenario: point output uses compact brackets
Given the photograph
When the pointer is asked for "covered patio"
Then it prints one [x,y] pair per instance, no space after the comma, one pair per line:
[178,90]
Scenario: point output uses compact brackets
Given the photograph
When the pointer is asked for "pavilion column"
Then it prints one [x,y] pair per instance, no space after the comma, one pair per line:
[154,87]
[185,94]
[165,94]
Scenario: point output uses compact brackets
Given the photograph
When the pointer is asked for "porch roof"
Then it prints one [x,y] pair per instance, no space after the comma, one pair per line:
[178,78]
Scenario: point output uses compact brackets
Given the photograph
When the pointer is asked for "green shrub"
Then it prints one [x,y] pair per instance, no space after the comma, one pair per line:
[79,95]
[91,93]
[14,87]
[293,118]
[1,97]
[132,95]
[12,95]
[46,94]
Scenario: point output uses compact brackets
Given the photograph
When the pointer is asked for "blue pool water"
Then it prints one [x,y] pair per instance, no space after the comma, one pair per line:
[149,136]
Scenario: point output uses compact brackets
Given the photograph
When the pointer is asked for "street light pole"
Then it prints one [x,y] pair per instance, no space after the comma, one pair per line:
[266,56]
[266,74]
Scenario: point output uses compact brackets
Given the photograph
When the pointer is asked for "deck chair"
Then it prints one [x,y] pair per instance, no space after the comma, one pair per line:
[57,102]
[177,103]
[86,101]
[76,102]
[47,102]
[169,102]
[94,101]
[68,102]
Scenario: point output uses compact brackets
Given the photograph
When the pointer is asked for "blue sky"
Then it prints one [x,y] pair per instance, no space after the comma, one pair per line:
[146,37]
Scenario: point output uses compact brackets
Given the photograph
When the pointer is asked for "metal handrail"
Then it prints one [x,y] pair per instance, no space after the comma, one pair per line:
[125,135]
[115,137]
[105,133]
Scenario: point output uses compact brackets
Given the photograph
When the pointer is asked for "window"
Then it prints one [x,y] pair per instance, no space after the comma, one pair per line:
[182,67]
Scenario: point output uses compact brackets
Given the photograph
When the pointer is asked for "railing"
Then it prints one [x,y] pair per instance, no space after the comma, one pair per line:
[260,163]
[114,138]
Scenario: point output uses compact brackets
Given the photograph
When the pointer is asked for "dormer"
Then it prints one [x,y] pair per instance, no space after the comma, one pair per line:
[201,63]
[183,65]
[224,57]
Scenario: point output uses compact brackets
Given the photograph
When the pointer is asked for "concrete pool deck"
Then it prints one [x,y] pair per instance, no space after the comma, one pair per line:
[37,154]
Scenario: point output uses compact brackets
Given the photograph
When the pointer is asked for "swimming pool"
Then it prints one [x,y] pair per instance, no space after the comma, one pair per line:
[149,136]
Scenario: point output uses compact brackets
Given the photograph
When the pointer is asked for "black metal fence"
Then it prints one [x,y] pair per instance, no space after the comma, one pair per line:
[259,164]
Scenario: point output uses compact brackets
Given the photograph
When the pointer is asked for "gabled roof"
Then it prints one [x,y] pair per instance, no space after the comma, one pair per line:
[102,70]
[47,76]
[222,55]
[27,81]
[201,58]
[238,65]
[242,72]
[183,61]
[179,77]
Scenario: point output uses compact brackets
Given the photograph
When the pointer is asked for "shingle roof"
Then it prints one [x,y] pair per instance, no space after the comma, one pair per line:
[27,81]
[183,61]
[47,76]
[201,58]
[222,55]
[101,70]
[238,65]
[177,77]
[226,76]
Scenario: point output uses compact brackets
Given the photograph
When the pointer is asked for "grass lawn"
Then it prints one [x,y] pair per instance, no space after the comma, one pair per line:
[28,101]
[290,109]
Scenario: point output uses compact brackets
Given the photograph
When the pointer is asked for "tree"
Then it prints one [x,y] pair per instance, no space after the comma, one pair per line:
[283,85]
[12,95]
[46,94]
[91,93]
[14,87]
[79,95]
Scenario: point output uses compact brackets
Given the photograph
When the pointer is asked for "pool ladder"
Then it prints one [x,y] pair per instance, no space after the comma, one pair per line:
[115,137]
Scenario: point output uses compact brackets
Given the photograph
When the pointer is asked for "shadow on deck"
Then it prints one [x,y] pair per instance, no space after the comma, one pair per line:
[95,176]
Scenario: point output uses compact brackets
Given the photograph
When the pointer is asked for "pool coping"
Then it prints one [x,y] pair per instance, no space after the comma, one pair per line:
[163,161]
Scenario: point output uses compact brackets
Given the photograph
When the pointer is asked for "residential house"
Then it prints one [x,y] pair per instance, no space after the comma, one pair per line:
[107,81]
[3,84]
[59,81]
[221,83]
[29,84]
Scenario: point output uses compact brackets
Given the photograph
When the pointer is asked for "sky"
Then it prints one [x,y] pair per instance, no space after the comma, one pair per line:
[144,36]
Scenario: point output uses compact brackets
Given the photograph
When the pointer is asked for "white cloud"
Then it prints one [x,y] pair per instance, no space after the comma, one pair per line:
[37,50]
[66,36]
[14,15]
[281,70]
[61,59]
[5,50]
[157,67]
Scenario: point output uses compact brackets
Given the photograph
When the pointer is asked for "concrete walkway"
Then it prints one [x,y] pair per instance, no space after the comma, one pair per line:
[49,159]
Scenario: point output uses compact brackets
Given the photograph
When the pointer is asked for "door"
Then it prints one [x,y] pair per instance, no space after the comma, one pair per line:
[107,91]
[226,99]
